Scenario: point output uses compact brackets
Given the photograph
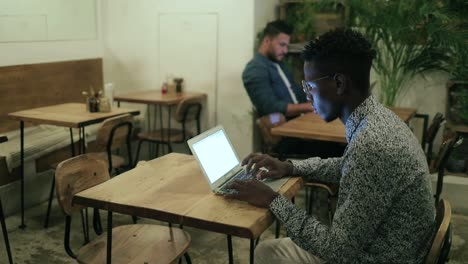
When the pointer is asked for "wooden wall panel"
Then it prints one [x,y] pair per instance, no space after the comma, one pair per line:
[35,85]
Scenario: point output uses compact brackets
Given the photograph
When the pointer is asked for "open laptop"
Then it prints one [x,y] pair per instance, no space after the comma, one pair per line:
[219,162]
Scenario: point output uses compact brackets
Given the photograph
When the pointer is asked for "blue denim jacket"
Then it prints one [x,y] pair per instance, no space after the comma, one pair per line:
[265,87]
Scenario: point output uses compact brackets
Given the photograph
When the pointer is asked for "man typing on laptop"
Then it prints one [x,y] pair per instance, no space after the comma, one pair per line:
[385,211]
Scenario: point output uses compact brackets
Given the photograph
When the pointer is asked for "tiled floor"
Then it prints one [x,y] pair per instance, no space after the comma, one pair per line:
[38,245]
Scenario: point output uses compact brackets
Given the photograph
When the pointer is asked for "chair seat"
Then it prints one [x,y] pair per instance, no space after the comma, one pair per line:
[138,244]
[167,135]
[117,161]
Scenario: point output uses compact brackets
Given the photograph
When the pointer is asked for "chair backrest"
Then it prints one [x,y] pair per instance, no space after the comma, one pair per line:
[448,143]
[434,127]
[265,124]
[431,133]
[189,110]
[443,237]
[114,133]
[75,175]
[451,140]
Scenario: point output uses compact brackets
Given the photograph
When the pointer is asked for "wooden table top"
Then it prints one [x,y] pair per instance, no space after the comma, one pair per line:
[172,188]
[311,126]
[67,115]
[155,97]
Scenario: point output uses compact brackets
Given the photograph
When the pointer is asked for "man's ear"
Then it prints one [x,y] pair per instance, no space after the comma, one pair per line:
[340,81]
[266,40]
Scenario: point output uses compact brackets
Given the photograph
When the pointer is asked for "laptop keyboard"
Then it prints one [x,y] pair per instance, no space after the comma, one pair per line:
[242,176]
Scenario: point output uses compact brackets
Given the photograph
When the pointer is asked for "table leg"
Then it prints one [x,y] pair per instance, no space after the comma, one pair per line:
[149,128]
[169,147]
[82,148]
[231,258]
[22,226]
[109,237]
[161,125]
[252,250]
[72,143]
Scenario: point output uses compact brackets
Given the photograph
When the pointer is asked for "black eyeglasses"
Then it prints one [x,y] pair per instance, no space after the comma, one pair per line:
[307,86]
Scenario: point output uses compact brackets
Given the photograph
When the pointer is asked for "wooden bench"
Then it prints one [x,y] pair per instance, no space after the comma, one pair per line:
[35,85]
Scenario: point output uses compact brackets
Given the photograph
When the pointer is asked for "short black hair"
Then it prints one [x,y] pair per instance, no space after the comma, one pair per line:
[274,28]
[342,51]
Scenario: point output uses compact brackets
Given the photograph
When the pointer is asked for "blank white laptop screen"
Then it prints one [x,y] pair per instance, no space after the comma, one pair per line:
[216,155]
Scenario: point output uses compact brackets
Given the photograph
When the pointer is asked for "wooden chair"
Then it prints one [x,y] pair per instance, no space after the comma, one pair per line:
[114,134]
[2,218]
[130,243]
[188,110]
[332,196]
[442,240]
[431,133]
[268,141]
[451,140]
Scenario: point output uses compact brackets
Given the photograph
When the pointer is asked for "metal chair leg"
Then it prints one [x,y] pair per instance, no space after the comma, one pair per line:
[51,196]
[97,222]
[5,233]
[84,224]
[138,152]
[187,258]
[169,147]
[157,150]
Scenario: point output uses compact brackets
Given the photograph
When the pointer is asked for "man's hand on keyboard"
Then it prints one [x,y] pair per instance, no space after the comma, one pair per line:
[264,166]
[252,191]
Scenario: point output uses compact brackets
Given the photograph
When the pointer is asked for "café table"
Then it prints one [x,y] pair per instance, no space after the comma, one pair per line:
[71,115]
[311,126]
[155,101]
[172,188]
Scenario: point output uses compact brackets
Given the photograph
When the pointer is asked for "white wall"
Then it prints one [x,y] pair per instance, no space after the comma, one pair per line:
[14,53]
[264,12]
[131,58]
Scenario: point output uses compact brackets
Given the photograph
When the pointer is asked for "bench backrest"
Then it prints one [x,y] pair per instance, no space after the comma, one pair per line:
[42,84]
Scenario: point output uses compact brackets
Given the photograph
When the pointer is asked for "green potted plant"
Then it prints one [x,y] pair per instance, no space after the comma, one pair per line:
[301,17]
[457,86]
[411,37]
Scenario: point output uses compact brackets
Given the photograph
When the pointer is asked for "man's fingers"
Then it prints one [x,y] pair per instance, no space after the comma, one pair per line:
[232,196]
[241,188]
[238,185]
[248,158]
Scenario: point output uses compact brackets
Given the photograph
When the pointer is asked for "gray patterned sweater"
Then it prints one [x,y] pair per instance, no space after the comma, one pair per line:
[385,211]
